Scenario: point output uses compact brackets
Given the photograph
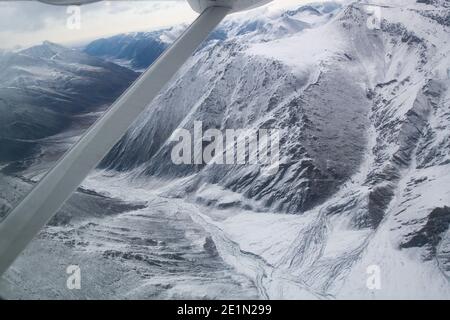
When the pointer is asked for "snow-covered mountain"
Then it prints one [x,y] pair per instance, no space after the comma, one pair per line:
[43,87]
[365,147]
[138,50]
[360,94]
[135,50]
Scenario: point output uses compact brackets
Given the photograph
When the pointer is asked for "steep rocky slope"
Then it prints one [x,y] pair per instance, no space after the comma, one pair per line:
[363,109]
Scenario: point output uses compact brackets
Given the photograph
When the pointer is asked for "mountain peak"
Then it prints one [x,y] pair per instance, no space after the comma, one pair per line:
[46,50]
[51,44]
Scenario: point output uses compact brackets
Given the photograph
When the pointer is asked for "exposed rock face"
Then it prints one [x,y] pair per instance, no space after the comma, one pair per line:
[431,233]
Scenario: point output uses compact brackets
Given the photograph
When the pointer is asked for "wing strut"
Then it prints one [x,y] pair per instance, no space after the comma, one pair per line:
[25,221]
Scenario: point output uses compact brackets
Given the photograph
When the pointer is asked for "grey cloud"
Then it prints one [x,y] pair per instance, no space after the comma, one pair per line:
[24,16]
[27,16]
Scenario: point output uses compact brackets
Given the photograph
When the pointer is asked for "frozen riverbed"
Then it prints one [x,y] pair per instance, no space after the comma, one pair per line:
[154,251]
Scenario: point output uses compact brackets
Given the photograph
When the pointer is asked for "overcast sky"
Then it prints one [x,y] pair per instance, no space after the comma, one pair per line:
[24,23]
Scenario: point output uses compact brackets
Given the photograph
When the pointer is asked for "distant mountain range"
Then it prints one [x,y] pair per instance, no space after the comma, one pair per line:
[138,50]
[42,88]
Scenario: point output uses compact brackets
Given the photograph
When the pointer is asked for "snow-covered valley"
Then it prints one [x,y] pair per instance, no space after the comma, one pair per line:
[363,182]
